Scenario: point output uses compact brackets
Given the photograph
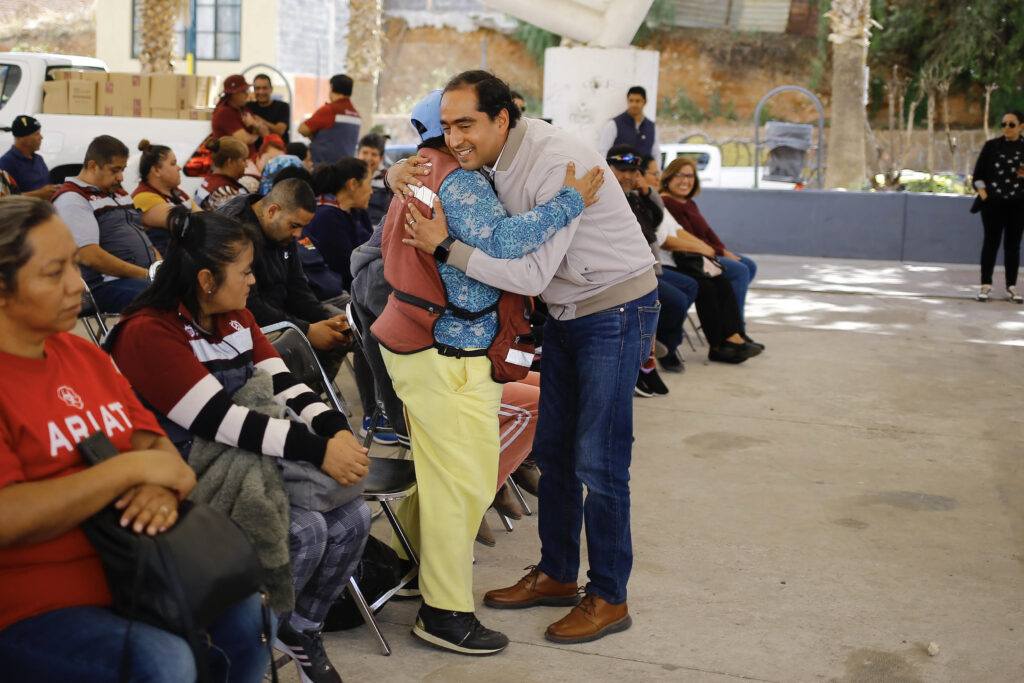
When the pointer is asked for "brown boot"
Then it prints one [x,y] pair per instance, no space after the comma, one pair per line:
[484,535]
[527,475]
[536,588]
[591,619]
[506,504]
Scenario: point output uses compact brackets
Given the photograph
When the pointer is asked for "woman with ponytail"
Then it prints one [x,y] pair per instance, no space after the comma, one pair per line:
[228,156]
[187,344]
[158,191]
[341,222]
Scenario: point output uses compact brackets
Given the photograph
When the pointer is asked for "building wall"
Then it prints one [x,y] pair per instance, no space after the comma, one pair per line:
[259,44]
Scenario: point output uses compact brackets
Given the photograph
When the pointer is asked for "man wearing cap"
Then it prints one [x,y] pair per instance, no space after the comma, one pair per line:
[232,118]
[26,167]
[334,127]
[631,127]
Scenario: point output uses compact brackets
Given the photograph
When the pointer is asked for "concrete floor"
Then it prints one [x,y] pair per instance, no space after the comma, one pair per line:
[820,513]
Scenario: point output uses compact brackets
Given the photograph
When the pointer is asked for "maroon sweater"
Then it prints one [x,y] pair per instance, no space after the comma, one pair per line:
[689,216]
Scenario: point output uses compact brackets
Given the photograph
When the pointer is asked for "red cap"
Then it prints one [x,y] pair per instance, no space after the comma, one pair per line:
[271,140]
[235,84]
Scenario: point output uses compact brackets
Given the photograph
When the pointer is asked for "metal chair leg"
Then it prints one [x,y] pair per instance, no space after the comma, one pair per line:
[697,330]
[364,609]
[527,510]
[506,522]
[397,529]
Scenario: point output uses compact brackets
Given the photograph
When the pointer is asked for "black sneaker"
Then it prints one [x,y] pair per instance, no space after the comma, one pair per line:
[643,387]
[751,341]
[655,383]
[729,352]
[457,631]
[306,649]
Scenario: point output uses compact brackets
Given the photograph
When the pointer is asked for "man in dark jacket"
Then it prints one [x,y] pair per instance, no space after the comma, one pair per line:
[282,291]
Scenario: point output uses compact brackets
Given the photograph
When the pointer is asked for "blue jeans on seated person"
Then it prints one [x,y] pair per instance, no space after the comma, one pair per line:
[113,296]
[86,644]
[740,274]
[676,292]
[584,438]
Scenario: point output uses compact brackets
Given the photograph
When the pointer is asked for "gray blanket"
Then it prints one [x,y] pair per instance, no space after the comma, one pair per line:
[248,488]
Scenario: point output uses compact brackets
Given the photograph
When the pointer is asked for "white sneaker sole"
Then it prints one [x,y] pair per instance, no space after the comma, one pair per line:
[421,633]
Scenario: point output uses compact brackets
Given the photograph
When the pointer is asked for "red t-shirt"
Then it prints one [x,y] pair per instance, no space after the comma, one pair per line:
[47,406]
[227,120]
[324,117]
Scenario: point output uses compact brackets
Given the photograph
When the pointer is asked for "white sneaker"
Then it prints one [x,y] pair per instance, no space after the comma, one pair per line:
[983,295]
[1013,295]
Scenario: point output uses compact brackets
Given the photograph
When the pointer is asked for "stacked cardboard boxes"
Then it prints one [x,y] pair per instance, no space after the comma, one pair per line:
[166,96]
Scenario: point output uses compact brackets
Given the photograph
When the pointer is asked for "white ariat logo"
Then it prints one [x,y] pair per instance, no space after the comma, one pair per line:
[237,325]
[70,397]
[190,331]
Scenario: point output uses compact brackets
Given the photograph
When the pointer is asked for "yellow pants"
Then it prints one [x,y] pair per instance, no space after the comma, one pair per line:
[451,406]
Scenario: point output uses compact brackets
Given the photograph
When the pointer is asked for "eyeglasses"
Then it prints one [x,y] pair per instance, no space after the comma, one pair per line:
[1007,124]
[631,159]
[684,176]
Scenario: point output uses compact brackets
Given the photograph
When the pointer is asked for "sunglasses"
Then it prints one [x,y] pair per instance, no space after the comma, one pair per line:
[1007,124]
[630,159]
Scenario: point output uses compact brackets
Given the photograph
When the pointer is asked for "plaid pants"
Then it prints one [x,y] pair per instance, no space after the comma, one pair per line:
[325,548]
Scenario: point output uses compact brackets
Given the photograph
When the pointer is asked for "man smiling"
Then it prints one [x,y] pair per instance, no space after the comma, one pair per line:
[597,278]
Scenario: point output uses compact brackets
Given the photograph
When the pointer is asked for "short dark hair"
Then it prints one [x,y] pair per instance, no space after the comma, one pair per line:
[200,240]
[637,90]
[104,149]
[292,194]
[152,156]
[341,84]
[264,77]
[297,149]
[492,93]
[18,215]
[375,140]
[1015,112]
[331,178]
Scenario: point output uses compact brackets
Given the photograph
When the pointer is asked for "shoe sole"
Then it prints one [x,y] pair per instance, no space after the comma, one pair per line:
[489,542]
[615,627]
[560,601]
[642,393]
[285,650]
[427,637]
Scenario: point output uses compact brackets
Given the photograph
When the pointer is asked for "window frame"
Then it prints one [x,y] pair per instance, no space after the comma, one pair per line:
[182,34]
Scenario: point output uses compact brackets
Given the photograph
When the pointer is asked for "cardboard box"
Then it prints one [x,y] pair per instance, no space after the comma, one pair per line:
[163,91]
[55,97]
[163,113]
[125,95]
[187,88]
[81,97]
[196,114]
[203,84]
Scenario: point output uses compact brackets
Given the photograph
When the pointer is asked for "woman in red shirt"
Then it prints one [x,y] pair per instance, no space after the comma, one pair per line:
[56,623]
[679,185]
[228,160]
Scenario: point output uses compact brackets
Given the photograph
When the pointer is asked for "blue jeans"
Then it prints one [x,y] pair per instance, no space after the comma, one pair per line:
[740,274]
[86,644]
[113,296]
[676,292]
[584,438]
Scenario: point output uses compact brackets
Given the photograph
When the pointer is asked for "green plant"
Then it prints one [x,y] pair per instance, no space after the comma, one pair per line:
[682,108]
[535,39]
[718,111]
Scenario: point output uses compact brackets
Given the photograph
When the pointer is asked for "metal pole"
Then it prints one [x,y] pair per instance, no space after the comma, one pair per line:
[483,55]
[190,50]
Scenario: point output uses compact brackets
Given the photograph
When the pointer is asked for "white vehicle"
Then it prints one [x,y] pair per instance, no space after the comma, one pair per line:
[711,172]
[66,136]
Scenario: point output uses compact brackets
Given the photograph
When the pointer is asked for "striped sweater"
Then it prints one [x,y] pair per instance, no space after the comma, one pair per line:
[187,376]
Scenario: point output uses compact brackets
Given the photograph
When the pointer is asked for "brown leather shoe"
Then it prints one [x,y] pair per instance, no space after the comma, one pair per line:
[505,504]
[536,588]
[527,475]
[484,535]
[591,619]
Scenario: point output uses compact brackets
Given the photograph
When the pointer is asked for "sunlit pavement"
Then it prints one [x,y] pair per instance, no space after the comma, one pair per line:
[823,512]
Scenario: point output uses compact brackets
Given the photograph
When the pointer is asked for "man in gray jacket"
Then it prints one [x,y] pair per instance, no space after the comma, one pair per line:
[598,281]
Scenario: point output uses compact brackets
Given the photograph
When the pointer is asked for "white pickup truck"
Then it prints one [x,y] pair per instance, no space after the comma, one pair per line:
[66,136]
[711,171]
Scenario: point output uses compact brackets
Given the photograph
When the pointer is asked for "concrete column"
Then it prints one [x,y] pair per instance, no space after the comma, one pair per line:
[586,86]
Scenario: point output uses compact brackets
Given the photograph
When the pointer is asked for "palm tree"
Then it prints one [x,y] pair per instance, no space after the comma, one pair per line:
[365,39]
[850,25]
[157,36]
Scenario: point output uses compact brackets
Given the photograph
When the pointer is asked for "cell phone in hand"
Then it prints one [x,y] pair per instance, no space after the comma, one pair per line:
[96,448]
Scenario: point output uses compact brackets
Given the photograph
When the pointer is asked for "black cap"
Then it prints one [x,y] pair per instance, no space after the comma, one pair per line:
[24,125]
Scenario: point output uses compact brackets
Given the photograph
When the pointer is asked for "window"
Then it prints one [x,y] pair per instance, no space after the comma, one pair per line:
[10,77]
[218,30]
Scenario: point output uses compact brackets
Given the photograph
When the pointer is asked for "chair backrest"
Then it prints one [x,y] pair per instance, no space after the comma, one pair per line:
[90,314]
[354,322]
[300,357]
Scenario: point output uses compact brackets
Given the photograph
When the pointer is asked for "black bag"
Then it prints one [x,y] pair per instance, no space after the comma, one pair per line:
[696,265]
[181,580]
[378,572]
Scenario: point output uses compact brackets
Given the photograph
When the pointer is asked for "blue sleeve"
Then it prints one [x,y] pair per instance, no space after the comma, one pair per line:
[476,217]
[332,235]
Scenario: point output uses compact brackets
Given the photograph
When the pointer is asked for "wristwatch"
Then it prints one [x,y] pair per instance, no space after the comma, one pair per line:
[442,251]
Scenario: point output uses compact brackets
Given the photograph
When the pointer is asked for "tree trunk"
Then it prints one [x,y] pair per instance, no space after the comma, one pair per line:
[850,25]
[156,49]
[363,63]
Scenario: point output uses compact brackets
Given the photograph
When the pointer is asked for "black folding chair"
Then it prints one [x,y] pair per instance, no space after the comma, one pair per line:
[92,319]
[389,479]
